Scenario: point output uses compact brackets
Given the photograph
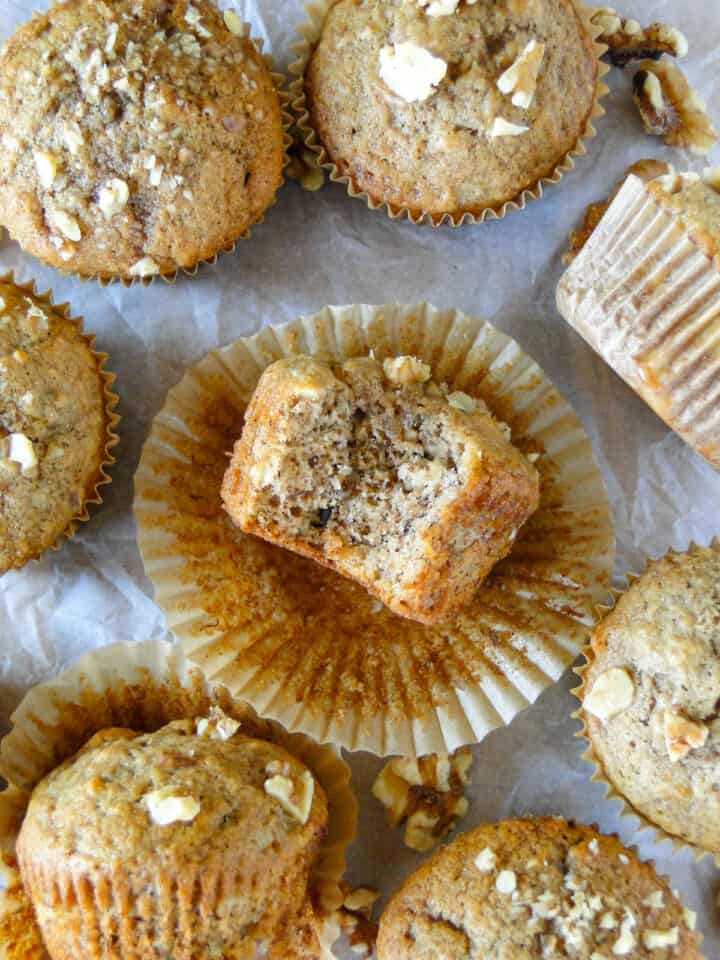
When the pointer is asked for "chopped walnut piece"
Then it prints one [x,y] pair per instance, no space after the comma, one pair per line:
[645,169]
[670,108]
[428,794]
[304,168]
[683,735]
[355,919]
[628,41]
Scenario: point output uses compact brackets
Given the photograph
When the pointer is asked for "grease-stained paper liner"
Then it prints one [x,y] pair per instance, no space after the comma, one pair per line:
[287,124]
[310,32]
[93,495]
[659,835]
[313,649]
[647,299]
[142,686]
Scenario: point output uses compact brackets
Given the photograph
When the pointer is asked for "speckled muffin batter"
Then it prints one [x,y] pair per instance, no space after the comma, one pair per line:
[695,202]
[191,841]
[450,107]
[652,692]
[53,424]
[535,889]
[136,137]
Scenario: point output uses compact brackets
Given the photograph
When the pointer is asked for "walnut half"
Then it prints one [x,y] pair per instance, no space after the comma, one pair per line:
[671,109]
[627,40]
[355,919]
[427,794]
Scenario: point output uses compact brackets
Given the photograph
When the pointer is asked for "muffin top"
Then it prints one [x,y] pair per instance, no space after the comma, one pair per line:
[136,136]
[652,692]
[535,888]
[696,202]
[176,799]
[447,106]
[52,423]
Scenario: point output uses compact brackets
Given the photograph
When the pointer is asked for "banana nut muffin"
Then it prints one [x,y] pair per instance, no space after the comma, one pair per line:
[136,136]
[652,693]
[450,106]
[191,841]
[376,471]
[53,423]
[536,889]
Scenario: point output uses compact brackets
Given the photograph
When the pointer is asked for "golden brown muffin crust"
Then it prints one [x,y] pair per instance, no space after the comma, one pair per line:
[437,155]
[535,889]
[664,634]
[52,412]
[136,136]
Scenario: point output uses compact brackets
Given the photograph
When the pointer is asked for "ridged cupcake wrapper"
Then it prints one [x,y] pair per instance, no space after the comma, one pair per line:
[112,419]
[310,32]
[142,686]
[279,80]
[642,293]
[314,650]
[628,811]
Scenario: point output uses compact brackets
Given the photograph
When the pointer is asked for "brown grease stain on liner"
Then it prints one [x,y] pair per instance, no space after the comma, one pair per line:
[313,649]
[310,31]
[611,793]
[112,419]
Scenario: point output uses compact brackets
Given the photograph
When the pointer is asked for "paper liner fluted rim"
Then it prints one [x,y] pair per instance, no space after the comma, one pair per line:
[628,811]
[542,635]
[93,495]
[56,717]
[287,122]
[310,31]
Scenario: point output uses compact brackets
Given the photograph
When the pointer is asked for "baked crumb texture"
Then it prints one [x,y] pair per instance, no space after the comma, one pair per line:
[414,494]
[137,137]
[447,110]
[644,291]
[172,844]
[56,423]
[540,889]
[651,695]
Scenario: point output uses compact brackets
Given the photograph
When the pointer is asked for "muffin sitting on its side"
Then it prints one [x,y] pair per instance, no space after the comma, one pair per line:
[193,841]
[136,137]
[375,471]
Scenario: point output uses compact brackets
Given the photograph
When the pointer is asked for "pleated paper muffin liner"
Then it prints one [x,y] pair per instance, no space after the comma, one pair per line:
[628,811]
[647,299]
[287,124]
[310,32]
[141,686]
[93,496]
[312,649]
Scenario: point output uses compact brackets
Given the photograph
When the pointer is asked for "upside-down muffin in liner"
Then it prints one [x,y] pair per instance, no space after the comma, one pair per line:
[649,692]
[644,292]
[447,111]
[148,810]
[57,423]
[314,650]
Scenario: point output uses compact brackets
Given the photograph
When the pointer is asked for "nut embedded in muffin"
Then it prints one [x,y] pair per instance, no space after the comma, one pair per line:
[149,139]
[450,108]
[55,423]
[194,840]
[537,888]
[651,693]
[410,489]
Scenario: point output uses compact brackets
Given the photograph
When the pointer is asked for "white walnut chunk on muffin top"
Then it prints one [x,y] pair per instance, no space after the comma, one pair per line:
[53,424]
[136,137]
[651,700]
[448,107]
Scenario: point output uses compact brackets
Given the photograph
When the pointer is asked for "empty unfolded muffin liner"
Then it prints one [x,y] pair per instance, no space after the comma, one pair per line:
[312,649]
[311,145]
[287,123]
[112,419]
[598,774]
[142,686]
[646,297]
